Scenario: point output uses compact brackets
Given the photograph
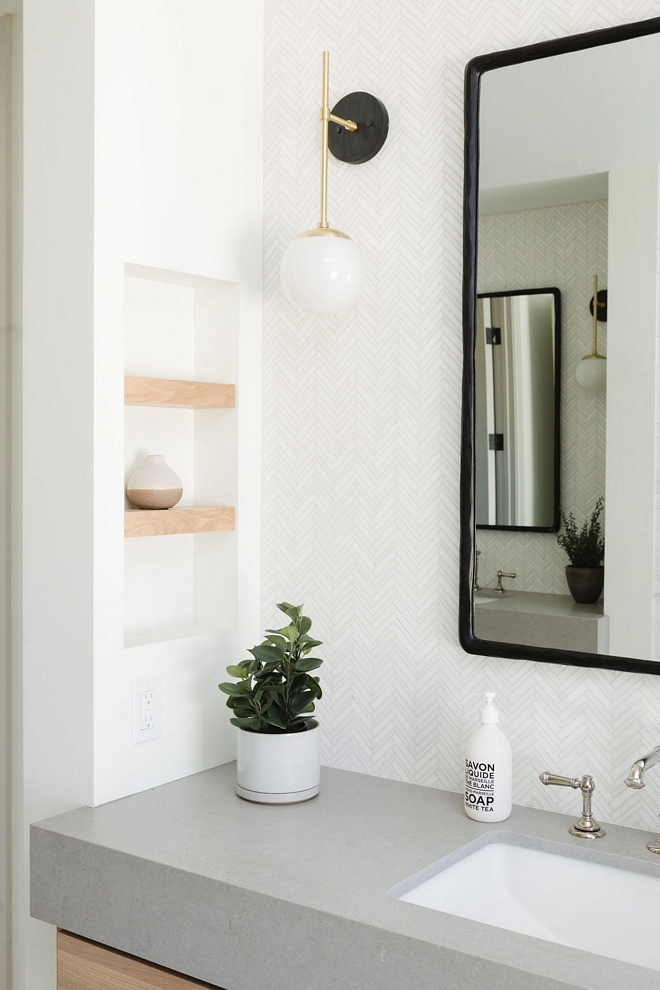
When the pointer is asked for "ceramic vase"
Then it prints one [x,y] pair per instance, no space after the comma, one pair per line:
[154,485]
[585,583]
[279,768]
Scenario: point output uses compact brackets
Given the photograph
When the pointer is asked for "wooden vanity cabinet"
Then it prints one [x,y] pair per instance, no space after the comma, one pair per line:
[85,965]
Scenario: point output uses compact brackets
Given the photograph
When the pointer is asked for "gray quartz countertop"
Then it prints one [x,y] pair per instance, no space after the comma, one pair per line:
[241,895]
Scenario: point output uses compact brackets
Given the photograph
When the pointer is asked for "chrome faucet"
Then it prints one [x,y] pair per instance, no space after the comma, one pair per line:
[586,827]
[635,779]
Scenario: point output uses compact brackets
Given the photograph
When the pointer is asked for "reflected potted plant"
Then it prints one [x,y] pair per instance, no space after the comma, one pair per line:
[585,548]
[278,755]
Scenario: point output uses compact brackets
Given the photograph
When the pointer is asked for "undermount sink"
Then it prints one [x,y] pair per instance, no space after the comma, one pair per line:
[535,888]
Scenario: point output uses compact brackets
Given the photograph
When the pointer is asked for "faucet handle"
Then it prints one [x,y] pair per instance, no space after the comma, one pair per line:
[586,827]
[553,778]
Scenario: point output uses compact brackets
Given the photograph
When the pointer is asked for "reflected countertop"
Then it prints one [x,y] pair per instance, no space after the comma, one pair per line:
[537,602]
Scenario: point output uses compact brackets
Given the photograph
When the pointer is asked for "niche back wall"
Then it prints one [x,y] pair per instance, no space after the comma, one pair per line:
[362,415]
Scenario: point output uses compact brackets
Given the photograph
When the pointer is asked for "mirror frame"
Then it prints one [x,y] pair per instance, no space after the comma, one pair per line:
[473,73]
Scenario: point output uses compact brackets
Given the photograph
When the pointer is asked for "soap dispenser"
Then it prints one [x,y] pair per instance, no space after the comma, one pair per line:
[488,768]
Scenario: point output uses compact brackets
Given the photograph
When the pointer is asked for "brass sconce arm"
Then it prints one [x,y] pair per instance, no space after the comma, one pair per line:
[325,117]
[350,125]
[372,136]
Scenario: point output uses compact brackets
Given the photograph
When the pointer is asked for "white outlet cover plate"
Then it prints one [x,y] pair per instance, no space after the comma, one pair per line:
[138,688]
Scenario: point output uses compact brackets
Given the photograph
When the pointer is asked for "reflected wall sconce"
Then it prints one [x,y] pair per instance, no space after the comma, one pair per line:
[591,372]
[322,269]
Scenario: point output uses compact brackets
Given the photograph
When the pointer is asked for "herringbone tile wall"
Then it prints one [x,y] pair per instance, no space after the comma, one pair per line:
[362,414]
[562,246]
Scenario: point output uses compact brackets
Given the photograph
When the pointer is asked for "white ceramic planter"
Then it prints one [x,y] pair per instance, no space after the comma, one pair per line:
[278,768]
[154,485]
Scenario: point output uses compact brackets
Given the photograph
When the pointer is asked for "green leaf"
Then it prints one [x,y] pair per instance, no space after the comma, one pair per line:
[227,687]
[242,712]
[305,624]
[293,611]
[308,663]
[302,701]
[291,633]
[237,671]
[272,718]
[266,653]
[309,642]
[242,688]
[247,723]
[278,641]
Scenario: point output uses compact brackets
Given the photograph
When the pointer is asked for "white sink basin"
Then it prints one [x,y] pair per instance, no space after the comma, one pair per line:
[576,900]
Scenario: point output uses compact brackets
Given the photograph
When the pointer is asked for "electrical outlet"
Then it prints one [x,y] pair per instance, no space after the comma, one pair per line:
[145,709]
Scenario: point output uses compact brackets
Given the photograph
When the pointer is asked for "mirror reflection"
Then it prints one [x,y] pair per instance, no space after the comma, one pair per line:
[516,422]
[569,179]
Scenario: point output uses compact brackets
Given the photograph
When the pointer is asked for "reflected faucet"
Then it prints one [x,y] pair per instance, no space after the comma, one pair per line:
[500,589]
[635,779]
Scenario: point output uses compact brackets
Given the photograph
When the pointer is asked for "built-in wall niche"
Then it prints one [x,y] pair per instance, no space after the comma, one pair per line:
[180,331]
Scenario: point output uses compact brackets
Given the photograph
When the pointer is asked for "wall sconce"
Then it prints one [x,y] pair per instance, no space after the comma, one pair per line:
[591,372]
[322,269]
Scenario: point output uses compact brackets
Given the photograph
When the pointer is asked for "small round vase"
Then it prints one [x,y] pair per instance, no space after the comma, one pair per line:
[278,768]
[154,485]
[585,583]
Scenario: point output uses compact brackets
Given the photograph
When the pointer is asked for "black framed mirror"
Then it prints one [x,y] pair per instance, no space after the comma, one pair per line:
[562,183]
[517,378]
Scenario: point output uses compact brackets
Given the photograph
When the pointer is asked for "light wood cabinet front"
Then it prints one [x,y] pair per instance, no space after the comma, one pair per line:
[84,965]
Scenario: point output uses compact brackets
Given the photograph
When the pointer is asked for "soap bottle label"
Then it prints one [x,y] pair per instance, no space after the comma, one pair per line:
[480,787]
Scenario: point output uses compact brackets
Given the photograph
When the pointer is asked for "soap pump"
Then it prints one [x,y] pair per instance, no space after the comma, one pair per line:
[488,768]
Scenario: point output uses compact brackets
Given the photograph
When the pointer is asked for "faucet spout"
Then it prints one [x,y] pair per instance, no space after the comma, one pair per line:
[635,776]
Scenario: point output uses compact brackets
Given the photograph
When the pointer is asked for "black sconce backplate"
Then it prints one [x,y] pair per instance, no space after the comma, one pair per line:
[602,306]
[371,117]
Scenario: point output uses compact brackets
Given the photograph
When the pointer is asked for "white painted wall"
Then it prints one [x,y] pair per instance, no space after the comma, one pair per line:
[143,144]
[16,825]
[178,156]
[5,498]
[631,445]
[56,625]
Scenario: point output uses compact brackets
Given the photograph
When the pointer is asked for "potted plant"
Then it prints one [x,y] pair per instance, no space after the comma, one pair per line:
[585,548]
[278,755]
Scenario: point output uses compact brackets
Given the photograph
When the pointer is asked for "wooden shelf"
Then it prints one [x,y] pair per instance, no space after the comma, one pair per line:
[176,392]
[169,522]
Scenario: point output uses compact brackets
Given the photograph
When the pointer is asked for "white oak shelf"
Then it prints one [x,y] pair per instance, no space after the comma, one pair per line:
[178,392]
[171,522]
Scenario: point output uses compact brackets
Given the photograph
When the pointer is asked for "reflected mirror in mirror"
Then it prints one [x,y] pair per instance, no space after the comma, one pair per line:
[517,365]
[562,184]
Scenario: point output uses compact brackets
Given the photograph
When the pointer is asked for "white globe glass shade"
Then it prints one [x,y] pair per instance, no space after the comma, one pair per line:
[322,273]
[591,373]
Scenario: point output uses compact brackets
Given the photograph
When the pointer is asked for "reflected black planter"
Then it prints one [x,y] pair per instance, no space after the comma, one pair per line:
[585,583]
